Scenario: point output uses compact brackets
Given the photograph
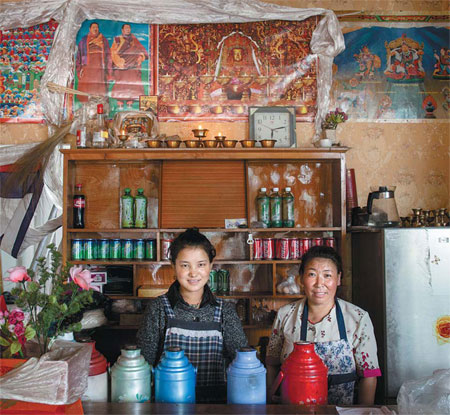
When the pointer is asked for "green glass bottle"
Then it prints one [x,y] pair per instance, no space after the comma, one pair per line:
[127,210]
[140,210]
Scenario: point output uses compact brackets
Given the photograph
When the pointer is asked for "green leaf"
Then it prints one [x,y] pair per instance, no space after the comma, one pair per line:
[4,342]
[30,332]
[15,347]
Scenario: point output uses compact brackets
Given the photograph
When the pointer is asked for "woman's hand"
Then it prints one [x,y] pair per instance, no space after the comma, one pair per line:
[366,391]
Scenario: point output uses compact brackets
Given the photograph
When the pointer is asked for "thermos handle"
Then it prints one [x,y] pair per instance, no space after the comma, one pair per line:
[275,387]
[369,202]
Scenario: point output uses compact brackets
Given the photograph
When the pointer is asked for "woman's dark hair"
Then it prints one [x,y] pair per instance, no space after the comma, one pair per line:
[191,238]
[321,252]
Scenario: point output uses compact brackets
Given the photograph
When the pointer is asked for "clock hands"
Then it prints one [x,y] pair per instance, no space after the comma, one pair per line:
[273,129]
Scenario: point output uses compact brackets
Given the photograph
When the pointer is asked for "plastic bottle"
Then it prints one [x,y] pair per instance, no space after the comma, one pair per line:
[275,209]
[79,205]
[140,210]
[288,213]
[263,206]
[82,133]
[100,130]
[127,209]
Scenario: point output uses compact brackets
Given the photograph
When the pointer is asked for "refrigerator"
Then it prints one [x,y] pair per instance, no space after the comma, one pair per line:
[401,276]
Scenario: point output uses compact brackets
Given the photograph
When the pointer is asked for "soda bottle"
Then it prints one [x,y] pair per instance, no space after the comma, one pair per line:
[79,204]
[100,130]
[127,208]
[82,132]
[263,205]
[288,215]
[275,209]
[140,210]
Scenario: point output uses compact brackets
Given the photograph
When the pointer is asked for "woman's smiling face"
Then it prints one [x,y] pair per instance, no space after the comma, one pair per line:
[192,268]
[320,281]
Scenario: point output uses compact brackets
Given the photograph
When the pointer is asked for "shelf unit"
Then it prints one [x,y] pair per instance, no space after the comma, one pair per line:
[202,188]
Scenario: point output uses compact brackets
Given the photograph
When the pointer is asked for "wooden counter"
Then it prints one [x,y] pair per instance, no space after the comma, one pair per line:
[99,408]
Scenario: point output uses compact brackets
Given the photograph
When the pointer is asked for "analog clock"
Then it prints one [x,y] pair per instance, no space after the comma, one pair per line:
[273,123]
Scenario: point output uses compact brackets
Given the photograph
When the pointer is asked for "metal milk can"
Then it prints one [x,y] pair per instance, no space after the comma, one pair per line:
[130,377]
[175,378]
[303,377]
[97,388]
[246,379]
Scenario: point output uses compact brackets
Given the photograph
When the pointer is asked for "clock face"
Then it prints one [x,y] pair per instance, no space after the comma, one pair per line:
[272,124]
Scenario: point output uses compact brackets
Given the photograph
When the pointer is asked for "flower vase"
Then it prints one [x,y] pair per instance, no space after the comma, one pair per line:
[331,135]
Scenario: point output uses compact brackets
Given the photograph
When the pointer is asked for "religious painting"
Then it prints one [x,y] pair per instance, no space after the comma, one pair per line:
[216,71]
[114,59]
[23,59]
[388,73]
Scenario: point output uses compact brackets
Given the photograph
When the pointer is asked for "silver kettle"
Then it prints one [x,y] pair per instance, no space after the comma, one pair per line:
[382,208]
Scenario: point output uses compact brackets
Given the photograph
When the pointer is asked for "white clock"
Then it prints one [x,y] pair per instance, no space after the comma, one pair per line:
[273,123]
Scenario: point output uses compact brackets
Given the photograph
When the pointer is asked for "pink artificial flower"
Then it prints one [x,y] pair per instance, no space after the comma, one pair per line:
[19,330]
[11,328]
[18,314]
[12,319]
[18,274]
[82,278]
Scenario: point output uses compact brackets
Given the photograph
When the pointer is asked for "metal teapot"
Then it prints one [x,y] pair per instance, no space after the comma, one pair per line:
[382,208]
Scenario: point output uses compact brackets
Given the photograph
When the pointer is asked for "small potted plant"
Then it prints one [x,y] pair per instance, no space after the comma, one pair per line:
[330,124]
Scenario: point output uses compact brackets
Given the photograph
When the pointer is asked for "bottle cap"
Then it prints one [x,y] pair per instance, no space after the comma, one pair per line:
[140,190]
[100,109]
[127,189]
[275,189]
[288,189]
[78,185]
[263,189]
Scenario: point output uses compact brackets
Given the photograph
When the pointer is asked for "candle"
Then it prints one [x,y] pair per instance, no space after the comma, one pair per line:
[220,135]
[122,132]
[199,127]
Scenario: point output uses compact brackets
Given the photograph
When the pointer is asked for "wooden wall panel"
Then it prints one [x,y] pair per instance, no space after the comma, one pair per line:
[202,193]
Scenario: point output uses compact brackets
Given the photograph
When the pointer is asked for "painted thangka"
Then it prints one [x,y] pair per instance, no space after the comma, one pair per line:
[388,73]
[114,59]
[216,71]
[23,59]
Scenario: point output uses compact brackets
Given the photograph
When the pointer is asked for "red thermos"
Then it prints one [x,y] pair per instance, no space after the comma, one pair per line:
[303,377]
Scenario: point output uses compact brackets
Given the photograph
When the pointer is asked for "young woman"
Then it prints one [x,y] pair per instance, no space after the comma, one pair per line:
[191,317]
[342,333]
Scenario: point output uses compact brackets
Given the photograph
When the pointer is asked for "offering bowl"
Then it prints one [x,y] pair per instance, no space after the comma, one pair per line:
[248,143]
[153,143]
[229,143]
[192,143]
[268,143]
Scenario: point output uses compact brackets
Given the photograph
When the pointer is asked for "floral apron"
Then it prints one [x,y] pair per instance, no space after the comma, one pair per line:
[338,357]
[202,342]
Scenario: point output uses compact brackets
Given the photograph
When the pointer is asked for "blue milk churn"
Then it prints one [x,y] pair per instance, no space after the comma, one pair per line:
[246,378]
[175,378]
[130,377]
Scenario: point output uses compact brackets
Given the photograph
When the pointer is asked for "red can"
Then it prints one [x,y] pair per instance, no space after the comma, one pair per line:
[268,248]
[258,252]
[294,248]
[305,244]
[330,242]
[282,248]
[316,241]
[165,243]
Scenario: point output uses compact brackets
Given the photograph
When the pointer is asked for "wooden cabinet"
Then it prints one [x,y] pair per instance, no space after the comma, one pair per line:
[202,188]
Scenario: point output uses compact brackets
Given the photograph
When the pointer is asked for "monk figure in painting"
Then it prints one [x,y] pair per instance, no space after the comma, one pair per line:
[93,63]
[127,56]
[442,65]
[368,63]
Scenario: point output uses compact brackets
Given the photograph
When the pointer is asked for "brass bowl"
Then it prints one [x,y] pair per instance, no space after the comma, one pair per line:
[248,143]
[229,143]
[210,143]
[173,143]
[153,143]
[174,109]
[192,143]
[268,143]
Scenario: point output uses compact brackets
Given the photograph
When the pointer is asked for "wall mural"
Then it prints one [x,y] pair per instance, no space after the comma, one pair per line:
[23,59]
[201,71]
[388,73]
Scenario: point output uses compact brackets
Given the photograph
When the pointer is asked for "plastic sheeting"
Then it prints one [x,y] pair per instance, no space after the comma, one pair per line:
[327,40]
[58,377]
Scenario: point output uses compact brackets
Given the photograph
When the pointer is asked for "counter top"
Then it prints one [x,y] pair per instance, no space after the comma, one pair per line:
[99,408]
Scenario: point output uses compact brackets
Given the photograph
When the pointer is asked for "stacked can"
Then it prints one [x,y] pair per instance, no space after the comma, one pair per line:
[282,248]
[317,241]
[103,249]
[268,248]
[258,250]
[165,248]
[294,248]
[139,249]
[115,249]
[330,242]
[150,249]
[77,249]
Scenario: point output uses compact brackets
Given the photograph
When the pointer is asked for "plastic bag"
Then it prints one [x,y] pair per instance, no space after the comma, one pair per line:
[428,395]
[58,377]
[288,286]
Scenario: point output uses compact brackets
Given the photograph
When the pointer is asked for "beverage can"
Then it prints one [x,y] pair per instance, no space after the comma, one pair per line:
[127,249]
[150,249]
[258,248]
[139,249]
[305,244]
[77,249]
[316,241]
[213,277]
[294,248]
[90,249]
[268,248]
[331,242]
[282,248]
[165,243]
[115,249]
[103,248]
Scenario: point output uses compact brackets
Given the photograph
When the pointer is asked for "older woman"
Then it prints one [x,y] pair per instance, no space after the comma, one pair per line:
[342,333]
